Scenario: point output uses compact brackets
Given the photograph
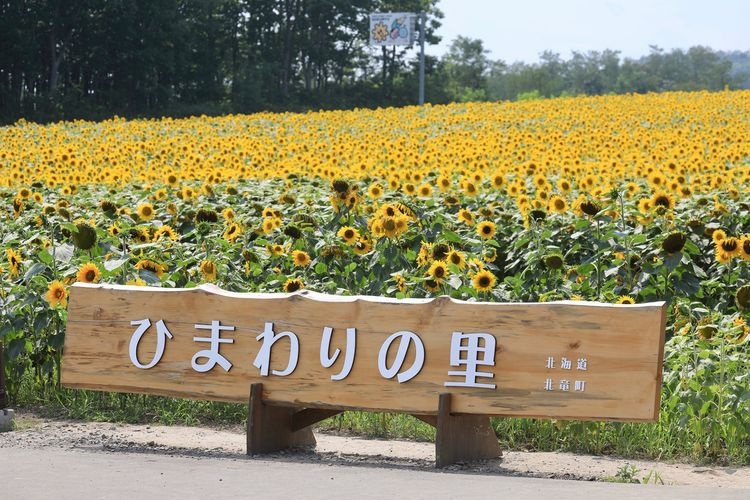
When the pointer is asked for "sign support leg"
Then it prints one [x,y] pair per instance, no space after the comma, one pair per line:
[269,428]
[463,438]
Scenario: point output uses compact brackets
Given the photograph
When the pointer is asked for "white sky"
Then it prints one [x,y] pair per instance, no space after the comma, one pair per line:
[520,30]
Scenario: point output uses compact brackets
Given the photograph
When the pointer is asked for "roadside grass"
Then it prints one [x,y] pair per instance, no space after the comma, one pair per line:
[665,440]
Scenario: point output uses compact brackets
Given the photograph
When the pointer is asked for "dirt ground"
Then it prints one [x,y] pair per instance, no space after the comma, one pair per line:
[32,431]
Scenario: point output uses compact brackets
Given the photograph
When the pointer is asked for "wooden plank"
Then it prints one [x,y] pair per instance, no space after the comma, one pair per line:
[309,416]
[269,428]
[463,438]
[619,346]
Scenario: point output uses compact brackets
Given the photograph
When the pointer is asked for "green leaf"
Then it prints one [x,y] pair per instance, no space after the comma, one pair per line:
[35,269]
[62,253]
[672,260]
[149,277]
[111,265]
[41,321]
[455,281]
[321,268]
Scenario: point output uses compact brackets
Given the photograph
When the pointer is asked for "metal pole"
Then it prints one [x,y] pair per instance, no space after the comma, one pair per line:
[422,26]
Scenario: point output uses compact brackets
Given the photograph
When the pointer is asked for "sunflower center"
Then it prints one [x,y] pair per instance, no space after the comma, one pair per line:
[484,281]
[90,275]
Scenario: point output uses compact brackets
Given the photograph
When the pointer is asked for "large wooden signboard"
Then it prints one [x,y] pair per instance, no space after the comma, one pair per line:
[569,360]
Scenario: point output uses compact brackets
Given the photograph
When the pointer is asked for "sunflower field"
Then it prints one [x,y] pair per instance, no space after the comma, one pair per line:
[621,199]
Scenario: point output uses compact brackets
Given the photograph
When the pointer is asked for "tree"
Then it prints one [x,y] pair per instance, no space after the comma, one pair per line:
[466,66]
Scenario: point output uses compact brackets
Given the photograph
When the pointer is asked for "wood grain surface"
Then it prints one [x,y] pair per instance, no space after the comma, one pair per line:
[622,346]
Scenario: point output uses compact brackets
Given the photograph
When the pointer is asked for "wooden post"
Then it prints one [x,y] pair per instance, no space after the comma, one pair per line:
[3,394]
[463,438]
[269,428]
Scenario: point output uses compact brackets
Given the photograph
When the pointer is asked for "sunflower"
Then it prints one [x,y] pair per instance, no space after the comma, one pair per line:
[268,225]
[14,261]
[425,190]
[440,251]
[726,249]
[300,258]
[232,232]
[674,242]
[438,270]
[375,190]
[275,250]
[589,207]
[363,246]
[89,273]
[292,285]
[409,188]
[716,235]
[662,199]
[400,283]
[483,281]
[466,216]
[742,298]
[432,285]
[625,299]
[167,232]
[557,204]
[145,211]
[486,229]
[208,270]
[348,234]
[554,261]
[136,282]
[745,247]
[228,214]
[458,259]
[490,254]
[206,215]
[56,294]
[141,235]
[151,266]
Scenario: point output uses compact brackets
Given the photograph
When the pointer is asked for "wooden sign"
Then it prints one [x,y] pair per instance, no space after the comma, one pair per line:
[567,360]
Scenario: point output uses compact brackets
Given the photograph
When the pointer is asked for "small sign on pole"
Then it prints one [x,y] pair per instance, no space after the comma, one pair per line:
[392,28]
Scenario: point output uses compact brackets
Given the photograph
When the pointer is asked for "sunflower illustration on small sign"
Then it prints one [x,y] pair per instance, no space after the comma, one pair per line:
[392,28]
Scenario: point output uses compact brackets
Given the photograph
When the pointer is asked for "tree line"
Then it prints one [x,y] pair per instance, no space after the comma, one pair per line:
[92,59]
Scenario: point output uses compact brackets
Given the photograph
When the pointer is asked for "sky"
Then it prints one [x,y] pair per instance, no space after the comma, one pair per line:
[520,30]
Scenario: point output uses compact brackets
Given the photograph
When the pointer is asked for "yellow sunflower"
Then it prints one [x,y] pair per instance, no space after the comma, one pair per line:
[456,258]
[167,232]
[292,285]
[146,211]
[149,265]
[300,258]
[662,199]
[208,270]
[89,273]
[363,246]
[14,261]
[348,234]
[375,190]
[625,299]
[483,281]
[438,270]
[466,216]
[486,229]
[557,204]
[56,294]
[232,232]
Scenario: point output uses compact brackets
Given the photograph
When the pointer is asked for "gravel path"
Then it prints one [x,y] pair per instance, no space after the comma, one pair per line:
[40,433]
